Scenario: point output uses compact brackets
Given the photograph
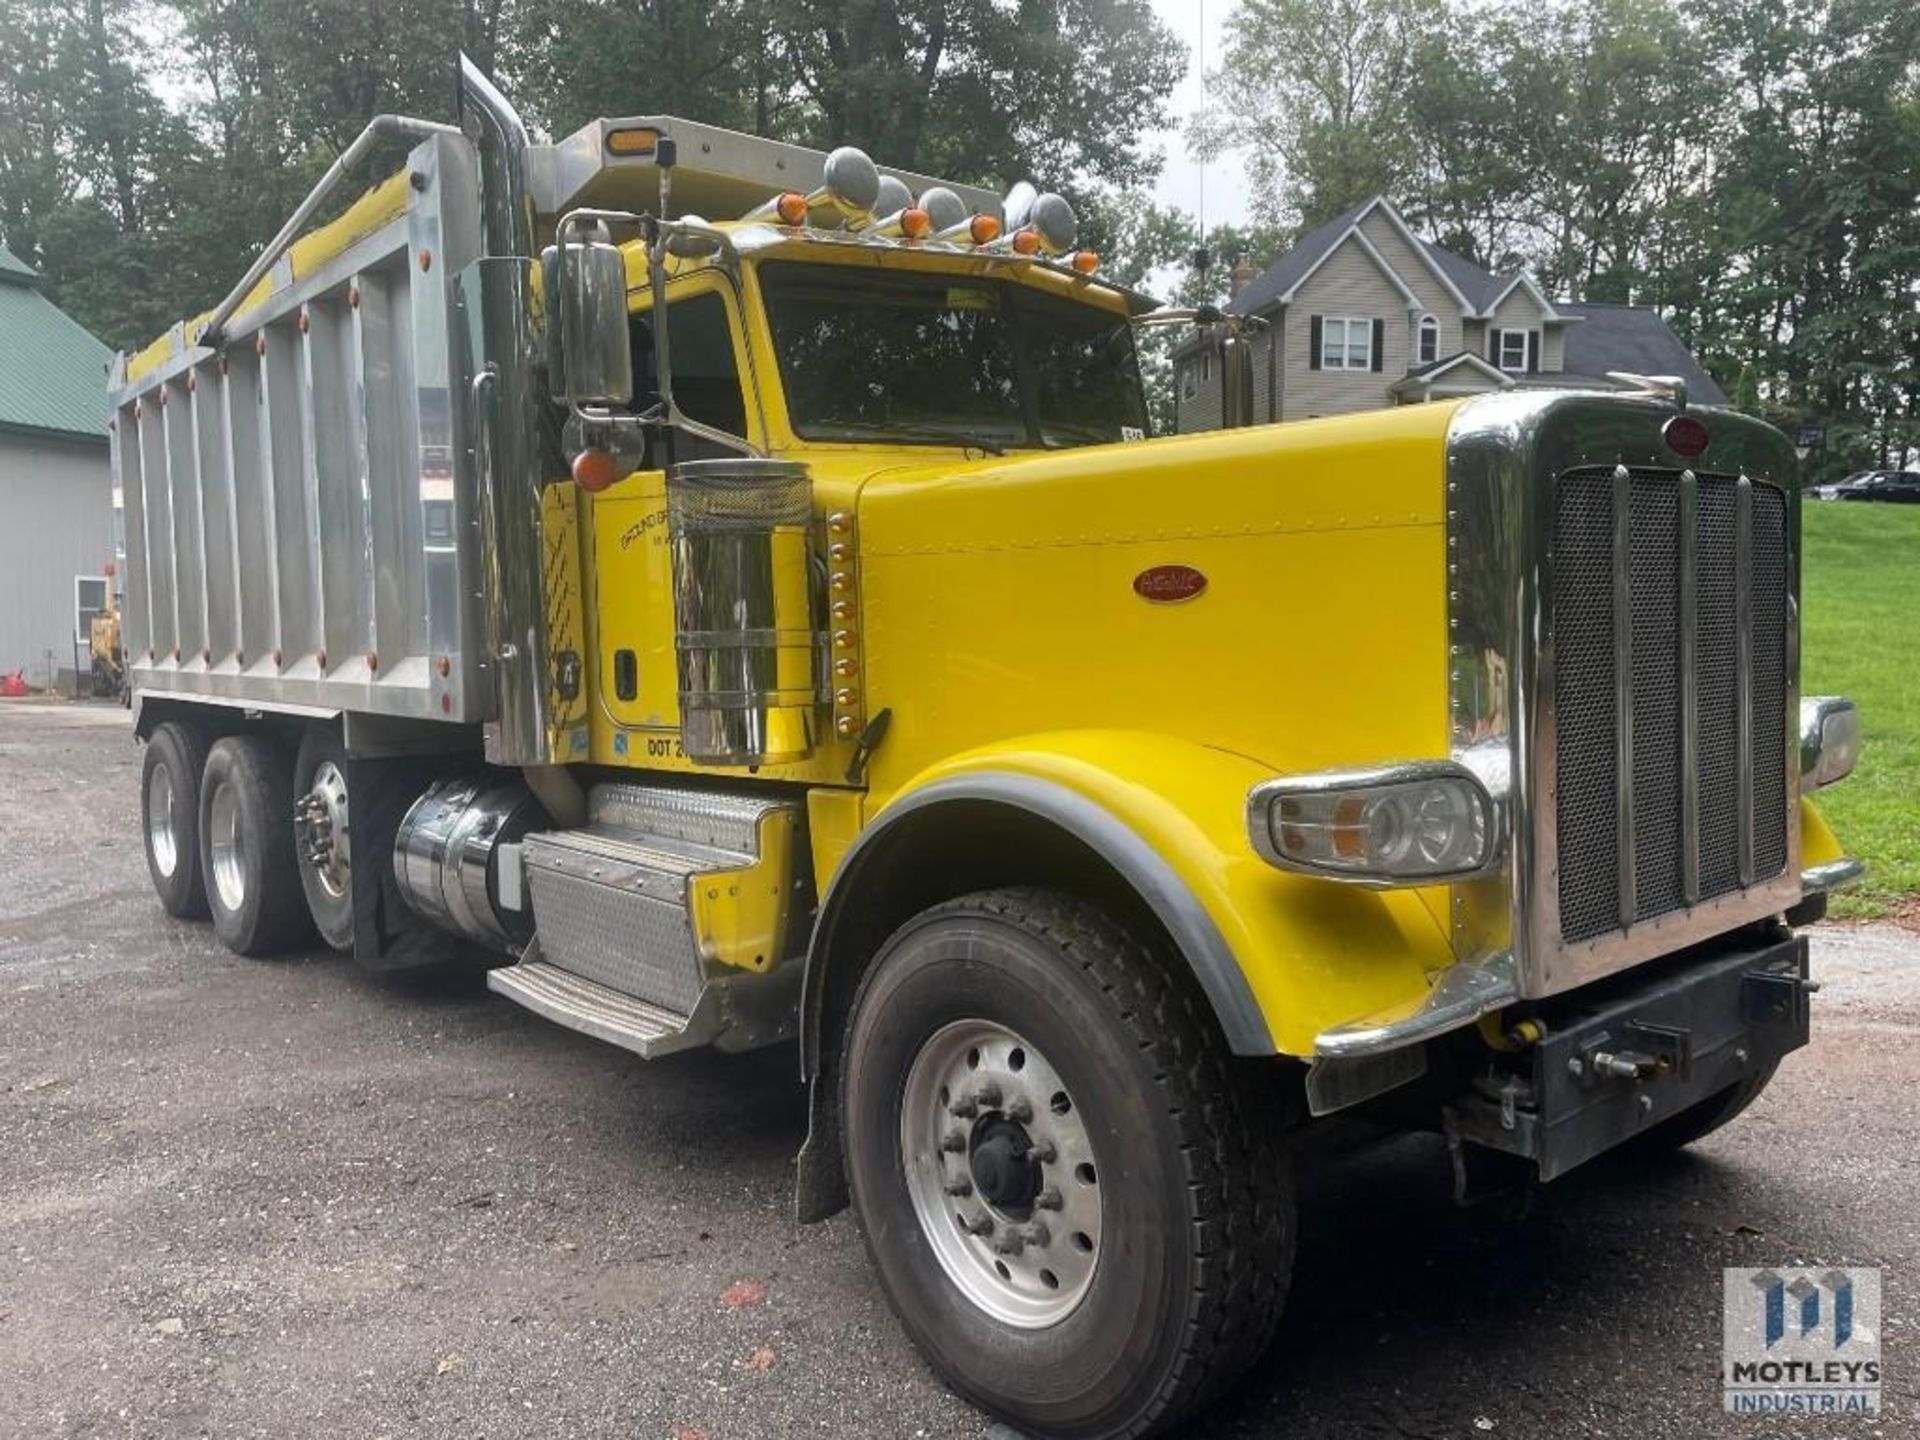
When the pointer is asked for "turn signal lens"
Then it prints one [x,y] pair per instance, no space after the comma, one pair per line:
[1025,242]
[914,224]
[983,228]
[1084,261]
[594,469]
[1401,825]
[791,208]
[632,142]
[1829,740]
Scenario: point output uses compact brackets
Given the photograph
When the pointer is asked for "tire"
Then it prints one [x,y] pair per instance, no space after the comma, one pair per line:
[246,847]
[328,883]
[170,817]
[1152,1314]
[1704,1117]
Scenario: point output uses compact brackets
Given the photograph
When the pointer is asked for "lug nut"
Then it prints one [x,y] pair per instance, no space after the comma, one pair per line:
[965,1108]
[1043,1152]
[1048,1199]
[1009,1244]
[1037,1234]
[1020,1112]
[955,1143]
[960,1188]
[988,1096]
[983,1226]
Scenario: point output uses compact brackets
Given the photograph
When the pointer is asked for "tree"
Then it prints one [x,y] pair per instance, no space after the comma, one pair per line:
[1315,92]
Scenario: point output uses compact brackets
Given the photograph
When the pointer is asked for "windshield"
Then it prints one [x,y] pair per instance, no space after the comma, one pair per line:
[947,359]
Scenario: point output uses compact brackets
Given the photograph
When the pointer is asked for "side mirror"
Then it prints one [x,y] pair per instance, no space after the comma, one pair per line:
[589,361]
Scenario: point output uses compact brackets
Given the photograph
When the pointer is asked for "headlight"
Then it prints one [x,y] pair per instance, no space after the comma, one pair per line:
[1410,824]
[1829,740]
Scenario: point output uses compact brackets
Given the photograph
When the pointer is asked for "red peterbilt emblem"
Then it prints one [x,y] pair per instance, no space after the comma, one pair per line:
[1166,584]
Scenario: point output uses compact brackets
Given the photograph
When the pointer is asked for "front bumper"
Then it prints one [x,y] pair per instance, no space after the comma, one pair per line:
[1618,1058]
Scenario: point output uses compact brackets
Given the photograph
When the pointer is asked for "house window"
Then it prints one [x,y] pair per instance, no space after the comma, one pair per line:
[89,603]
[1346,343]
[1514,348]
[1429,339]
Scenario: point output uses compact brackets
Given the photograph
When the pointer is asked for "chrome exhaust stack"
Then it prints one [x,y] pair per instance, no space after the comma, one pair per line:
[504,421]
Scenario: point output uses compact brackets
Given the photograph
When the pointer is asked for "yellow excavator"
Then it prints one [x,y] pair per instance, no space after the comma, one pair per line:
[108,660]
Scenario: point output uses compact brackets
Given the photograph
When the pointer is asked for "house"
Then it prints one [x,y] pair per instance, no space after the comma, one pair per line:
[1364,313]
[56,505]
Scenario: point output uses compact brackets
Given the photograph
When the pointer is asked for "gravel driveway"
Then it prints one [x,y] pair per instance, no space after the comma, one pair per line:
[284,1199]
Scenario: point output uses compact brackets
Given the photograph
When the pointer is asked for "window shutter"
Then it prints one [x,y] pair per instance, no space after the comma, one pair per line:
[1313,343]
[1533,351]
[1379,342]
[1493,346]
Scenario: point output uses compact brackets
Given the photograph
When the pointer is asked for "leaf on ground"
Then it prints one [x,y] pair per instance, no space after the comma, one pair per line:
[689,1432]
[743,1293]
[761,1359]
[452,1363]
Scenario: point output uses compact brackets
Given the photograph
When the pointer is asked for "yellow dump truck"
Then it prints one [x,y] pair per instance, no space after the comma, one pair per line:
[780,625]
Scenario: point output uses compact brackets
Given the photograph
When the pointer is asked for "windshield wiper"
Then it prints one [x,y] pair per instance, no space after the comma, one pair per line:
[953,434]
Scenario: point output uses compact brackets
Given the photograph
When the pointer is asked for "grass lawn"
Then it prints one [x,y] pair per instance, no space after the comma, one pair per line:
[1860,636]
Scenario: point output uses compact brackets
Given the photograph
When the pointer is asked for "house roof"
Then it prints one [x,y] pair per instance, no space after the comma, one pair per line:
[1291,268]
[1632,338]
[53,374]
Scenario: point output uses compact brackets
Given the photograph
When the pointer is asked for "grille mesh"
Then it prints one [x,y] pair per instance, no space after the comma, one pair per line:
[1586,700]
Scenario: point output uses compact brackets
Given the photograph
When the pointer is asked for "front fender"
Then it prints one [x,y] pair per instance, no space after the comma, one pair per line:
[1281,957]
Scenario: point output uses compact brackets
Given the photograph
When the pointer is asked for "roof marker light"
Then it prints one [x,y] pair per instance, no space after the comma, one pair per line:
[1084,262]
[1024,242]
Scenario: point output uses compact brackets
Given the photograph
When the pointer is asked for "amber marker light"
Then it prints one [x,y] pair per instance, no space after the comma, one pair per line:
[594,470]
[791,208]
[915,224]
[1025,242]
[984,228]
[1084,262]
[632,142]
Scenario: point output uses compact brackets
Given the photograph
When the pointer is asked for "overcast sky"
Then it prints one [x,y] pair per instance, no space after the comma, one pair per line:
[1199,23]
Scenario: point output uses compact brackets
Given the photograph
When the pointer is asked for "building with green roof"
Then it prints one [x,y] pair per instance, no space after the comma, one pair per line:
[56,487]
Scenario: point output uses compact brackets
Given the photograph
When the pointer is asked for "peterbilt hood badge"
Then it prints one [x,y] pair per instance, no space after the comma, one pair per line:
[1168,584]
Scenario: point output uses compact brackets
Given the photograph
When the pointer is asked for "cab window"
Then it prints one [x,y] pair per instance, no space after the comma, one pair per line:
[706,373]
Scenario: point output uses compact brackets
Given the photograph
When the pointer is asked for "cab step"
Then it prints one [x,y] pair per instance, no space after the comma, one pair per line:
[650,917]
[598,1010]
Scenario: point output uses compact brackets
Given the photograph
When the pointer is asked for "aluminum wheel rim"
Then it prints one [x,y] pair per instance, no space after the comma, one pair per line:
[1028,1265]
[224,847]
[329,841]
[161,841]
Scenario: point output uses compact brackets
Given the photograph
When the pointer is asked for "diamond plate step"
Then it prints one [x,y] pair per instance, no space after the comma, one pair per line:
[711,818]
[599,1010]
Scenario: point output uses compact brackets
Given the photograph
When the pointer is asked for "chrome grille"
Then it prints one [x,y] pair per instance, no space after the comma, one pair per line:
[1669,626]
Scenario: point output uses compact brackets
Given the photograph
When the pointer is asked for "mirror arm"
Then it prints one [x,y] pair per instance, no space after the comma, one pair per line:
[659,235]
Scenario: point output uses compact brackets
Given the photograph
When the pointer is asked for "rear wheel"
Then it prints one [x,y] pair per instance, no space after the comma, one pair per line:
[170,817]
[246,846]
[1077,1213]
[323,834]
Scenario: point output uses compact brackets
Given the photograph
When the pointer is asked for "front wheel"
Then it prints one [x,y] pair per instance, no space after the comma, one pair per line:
[1075,1203]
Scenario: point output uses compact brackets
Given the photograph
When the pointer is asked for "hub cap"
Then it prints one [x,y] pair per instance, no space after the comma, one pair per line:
[1001,1173]
[160,837]
[326,842]
[224,847]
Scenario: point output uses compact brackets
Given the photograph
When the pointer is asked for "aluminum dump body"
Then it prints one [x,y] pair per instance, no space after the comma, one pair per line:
[301,524]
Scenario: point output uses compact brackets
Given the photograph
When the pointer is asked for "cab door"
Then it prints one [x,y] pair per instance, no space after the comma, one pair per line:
[632,595]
